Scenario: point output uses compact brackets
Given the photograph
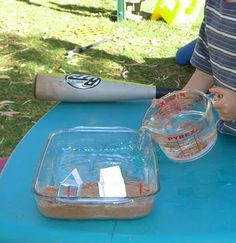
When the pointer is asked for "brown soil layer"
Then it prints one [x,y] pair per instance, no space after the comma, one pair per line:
[57,209]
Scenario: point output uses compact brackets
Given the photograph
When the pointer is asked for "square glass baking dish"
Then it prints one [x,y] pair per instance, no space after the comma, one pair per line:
[71,182]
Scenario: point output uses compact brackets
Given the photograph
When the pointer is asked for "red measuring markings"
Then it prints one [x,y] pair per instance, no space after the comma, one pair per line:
[181,150]
[172,104]
[68,191]
[183,135]
[141,187]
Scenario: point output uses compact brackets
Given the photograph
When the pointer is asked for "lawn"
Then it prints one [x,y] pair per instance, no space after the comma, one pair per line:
[35,36]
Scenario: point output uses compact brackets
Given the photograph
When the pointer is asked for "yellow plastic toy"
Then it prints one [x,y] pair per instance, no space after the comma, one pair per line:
[179,11]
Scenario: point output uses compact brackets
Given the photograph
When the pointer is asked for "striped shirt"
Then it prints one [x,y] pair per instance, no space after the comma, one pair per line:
[215,50]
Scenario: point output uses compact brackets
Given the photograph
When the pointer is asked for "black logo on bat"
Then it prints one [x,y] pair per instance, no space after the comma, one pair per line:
[82,81]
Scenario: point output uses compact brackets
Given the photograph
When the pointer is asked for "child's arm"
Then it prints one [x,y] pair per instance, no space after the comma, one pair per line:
[199,81]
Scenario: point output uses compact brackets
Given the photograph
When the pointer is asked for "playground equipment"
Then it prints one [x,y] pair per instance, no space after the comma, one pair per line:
[129,9]
[179,11]
[133,8]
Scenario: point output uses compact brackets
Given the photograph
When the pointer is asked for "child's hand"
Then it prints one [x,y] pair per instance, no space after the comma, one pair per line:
[226,106]
[155,102]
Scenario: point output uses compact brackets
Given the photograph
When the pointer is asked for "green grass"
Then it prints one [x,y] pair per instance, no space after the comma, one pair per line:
[34,37]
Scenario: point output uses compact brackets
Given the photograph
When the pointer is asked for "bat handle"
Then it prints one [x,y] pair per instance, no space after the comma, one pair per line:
[161,91]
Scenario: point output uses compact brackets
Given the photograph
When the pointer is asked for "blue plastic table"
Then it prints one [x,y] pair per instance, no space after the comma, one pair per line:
[197,201]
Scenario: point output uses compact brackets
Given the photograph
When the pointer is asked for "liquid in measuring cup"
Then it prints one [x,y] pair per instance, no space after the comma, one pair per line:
[185,136]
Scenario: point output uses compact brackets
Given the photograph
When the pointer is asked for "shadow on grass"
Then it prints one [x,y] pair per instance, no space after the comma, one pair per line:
[74,9]
[30,2]
[31,55]
[78,9]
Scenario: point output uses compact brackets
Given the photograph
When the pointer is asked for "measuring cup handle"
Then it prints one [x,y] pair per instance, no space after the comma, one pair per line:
[214,97]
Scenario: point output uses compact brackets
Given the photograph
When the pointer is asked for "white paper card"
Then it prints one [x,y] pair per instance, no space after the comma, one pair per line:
[73,181]
[111,183]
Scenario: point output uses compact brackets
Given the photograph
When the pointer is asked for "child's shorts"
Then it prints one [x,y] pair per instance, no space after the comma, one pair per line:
[227,127]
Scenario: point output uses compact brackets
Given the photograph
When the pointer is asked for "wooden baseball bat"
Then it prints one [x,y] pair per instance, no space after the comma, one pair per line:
[87,88]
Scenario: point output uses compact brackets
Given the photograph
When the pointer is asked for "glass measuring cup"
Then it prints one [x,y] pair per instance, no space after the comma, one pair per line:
[182,124]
